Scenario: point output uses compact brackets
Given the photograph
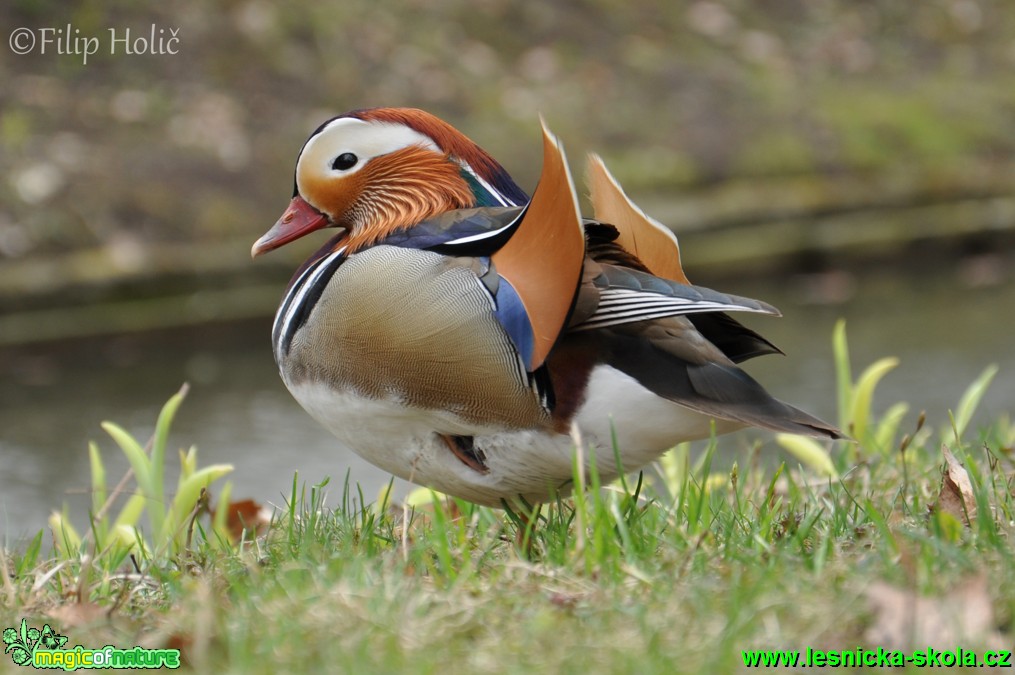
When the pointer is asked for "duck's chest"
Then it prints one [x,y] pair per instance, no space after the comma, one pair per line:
[410,329]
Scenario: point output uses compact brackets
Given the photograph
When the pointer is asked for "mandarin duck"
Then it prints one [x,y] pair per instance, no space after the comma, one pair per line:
[455,330]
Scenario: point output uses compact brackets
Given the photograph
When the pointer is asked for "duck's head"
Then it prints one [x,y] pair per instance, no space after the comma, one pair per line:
[377,170]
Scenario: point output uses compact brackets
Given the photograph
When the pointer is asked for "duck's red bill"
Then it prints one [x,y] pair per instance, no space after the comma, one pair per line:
[299,219]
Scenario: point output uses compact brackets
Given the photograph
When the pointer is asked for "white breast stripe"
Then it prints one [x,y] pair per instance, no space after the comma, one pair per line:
[297,294]
[283,306]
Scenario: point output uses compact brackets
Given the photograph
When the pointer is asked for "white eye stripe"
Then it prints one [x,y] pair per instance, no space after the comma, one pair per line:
[366,140]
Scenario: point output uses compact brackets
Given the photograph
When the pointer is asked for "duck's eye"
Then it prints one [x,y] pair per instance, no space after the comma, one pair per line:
[346,160]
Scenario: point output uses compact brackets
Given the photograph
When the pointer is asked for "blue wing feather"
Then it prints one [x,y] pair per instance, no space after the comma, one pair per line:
[511,314]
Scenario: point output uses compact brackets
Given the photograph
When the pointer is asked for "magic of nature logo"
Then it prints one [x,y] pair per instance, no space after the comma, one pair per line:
[45,648]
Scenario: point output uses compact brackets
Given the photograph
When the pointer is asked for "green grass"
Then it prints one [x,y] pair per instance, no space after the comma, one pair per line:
[673,574]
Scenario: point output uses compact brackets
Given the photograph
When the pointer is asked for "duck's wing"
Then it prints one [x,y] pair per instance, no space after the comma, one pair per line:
[612,295]
[543,259]
[530,258]
[652,247]
[646,238]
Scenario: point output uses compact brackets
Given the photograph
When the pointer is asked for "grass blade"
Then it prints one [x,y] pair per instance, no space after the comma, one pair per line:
[187,497]
[218,523]
[971,399]
[98,491]
[863,395]
[808,451]
[158,456]
[888,427]
[135,455]
[31,556]
[131,512]
[65,537]
[843,374]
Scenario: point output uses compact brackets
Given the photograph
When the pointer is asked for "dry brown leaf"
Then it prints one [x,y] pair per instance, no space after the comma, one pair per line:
[905,620]
[181,642]
[248,515]
[956,497]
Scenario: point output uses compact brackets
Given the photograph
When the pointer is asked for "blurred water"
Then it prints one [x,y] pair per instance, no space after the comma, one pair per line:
[53,397]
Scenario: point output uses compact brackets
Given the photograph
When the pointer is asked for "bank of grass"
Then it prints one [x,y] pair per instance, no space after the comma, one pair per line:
[677,574]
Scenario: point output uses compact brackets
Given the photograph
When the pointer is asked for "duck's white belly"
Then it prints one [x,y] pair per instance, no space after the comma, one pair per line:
[533,464]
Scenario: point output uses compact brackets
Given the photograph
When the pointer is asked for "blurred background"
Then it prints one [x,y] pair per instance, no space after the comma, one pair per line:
[837,158]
